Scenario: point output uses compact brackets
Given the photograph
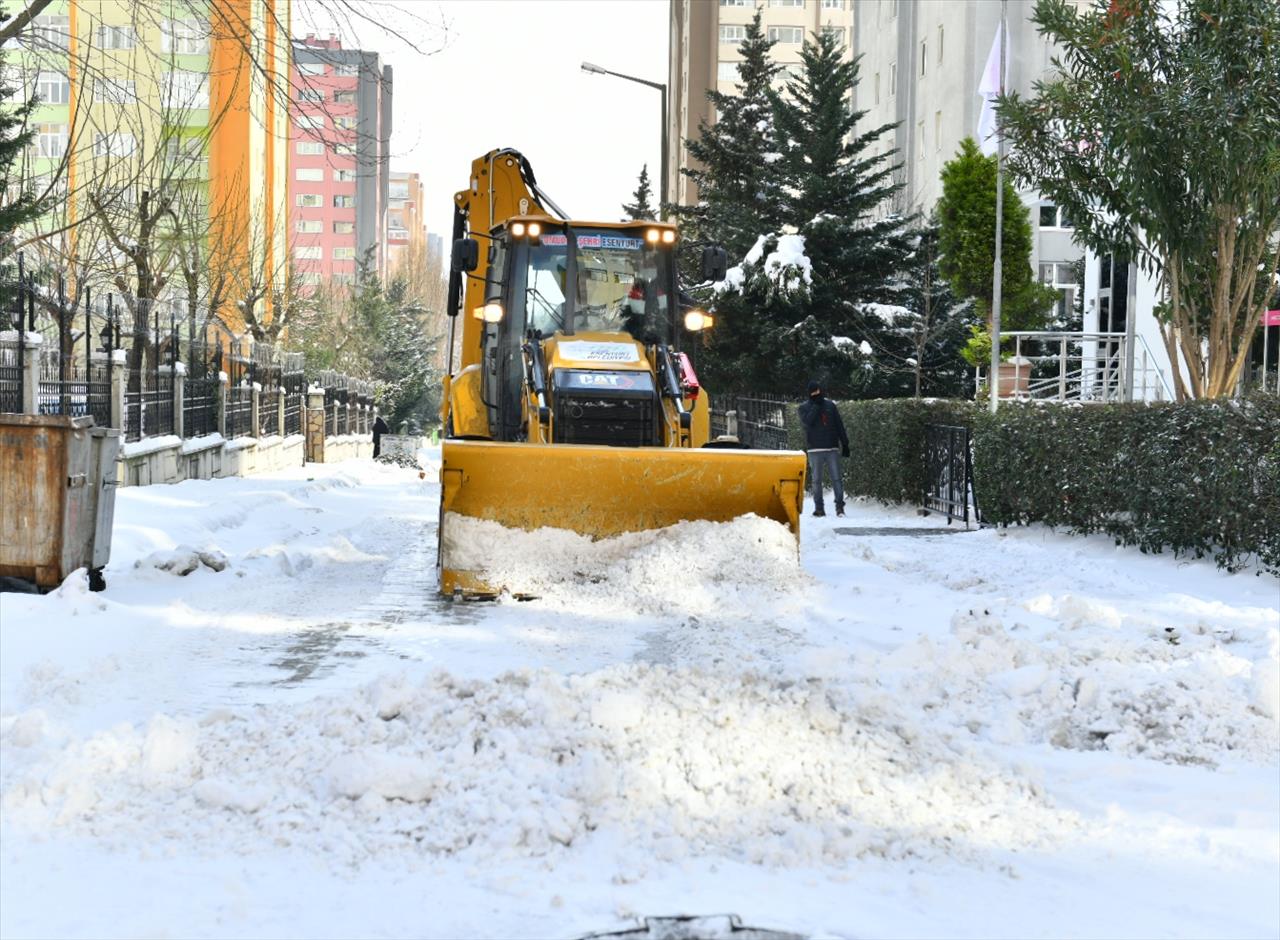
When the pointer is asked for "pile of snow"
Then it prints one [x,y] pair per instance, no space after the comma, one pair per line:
[661,763]
[695,567]
[1163,695]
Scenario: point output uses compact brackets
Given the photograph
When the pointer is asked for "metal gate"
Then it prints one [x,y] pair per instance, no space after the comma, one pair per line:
[948,471]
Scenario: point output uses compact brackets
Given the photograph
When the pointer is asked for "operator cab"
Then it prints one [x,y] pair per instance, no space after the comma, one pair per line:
[595,307]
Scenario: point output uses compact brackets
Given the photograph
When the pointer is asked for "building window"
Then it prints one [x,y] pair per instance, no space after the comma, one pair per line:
[309,148]
[1062,277]
[940,36]
[727,72]
[344,228]
[347,70]
[310,122]
[310,200]
[344,202]
[836,31]
[937,130]
[307,252]
[344,97]
[311,95]
[311,68]
[344,176]
[833,4]
[787,34]
[114,145]
[733,34]
[344,278]
[733,3]
[1052,216]
[115,37]
[309,174]
[51,30]
[188,149]
[344,123]
[893,78]
[53,88]
[115,90]
[893,8]
[924,56]
[310,226]
[344,150]
[786,3]
[51,140]
[185,37]
[187,90]
[344,253]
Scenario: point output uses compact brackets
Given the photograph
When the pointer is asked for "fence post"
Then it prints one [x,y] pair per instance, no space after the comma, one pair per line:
[119,382]
[179,398]
[255,411]
[31,373]
[1062,370]
[315,425]
[223,384]
[280,411]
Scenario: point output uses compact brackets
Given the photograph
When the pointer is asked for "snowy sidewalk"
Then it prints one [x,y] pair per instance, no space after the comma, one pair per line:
[985,733]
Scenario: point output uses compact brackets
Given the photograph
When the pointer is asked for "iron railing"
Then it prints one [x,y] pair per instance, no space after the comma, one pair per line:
[948,471]
[1090,368]
[758,420]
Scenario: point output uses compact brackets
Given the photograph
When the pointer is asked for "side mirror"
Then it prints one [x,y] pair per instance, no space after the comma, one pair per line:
[715,263]
[466,255]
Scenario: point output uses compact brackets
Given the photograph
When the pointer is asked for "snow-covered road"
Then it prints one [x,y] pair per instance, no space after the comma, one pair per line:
[904,732]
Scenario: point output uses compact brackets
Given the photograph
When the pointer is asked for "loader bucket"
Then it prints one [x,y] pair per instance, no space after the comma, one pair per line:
[600,492]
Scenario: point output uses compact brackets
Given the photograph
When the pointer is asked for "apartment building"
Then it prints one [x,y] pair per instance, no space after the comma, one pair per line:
[703,49]
[143,100]
[406,230]
[921,67]
[341,145]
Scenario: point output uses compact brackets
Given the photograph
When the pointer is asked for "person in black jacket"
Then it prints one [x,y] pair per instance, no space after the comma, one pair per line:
[379,428]
[824,432]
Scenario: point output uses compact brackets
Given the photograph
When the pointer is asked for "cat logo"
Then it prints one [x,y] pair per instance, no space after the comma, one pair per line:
[602,379]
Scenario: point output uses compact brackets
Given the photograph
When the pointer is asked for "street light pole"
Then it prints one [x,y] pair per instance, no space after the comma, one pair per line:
[662,89]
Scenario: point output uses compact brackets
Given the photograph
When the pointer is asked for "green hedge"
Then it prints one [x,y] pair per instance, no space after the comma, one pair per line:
[1200,478]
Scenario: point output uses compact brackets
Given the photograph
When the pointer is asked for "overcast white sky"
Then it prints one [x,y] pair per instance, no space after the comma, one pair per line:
[509,76]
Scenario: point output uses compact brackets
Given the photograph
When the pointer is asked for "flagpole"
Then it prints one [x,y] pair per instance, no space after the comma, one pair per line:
[997,274]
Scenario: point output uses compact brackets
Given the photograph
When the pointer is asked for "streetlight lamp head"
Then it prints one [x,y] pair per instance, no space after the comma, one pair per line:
[589,67]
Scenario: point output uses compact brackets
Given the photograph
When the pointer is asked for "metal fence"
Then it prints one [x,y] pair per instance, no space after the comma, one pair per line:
[758,420]
[267,374]
[948,471]
[294,382]
[71,386]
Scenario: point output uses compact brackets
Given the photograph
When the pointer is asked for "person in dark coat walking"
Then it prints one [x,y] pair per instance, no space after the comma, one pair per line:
[824,432]
[379,428]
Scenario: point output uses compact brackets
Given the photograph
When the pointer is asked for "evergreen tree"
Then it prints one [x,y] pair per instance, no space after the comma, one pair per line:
[836,188]
[967,239]
[18,202]
[927,326]
[739,189]
[639,208]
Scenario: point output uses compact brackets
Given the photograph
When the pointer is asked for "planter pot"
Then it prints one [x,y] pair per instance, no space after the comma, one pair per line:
[1014,378]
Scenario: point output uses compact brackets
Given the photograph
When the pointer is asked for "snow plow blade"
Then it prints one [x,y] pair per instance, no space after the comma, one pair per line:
[601,492]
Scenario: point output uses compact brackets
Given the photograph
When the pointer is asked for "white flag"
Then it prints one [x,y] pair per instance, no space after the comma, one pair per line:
[989,88]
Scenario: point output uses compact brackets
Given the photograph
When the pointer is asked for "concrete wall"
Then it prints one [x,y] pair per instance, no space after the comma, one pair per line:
[171,460]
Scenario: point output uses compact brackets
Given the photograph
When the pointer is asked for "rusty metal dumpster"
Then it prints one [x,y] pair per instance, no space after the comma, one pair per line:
[57,497]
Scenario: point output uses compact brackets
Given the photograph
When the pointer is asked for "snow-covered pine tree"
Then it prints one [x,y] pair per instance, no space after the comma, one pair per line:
[640,208]
[739,189]
[927,326]
[837,187]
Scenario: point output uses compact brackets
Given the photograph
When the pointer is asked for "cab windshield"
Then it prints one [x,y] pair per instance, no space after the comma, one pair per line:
[620,284]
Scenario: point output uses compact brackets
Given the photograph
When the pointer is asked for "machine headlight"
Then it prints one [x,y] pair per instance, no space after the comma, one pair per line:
[652,235]
[517,229]
[669,236]
[534,229]
[490,312]
[697,320]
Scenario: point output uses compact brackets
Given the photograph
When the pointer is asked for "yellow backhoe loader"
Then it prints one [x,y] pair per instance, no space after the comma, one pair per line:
[572,406]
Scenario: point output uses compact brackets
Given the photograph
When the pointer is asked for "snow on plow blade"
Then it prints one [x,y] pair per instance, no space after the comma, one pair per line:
[601,492]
